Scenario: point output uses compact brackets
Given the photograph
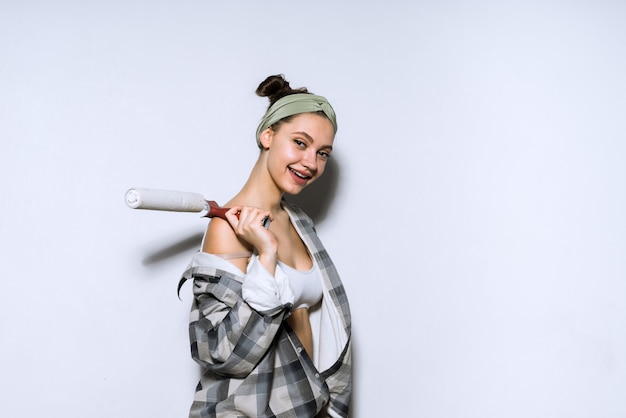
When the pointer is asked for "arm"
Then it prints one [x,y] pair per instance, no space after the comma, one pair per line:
[227,335]
[238,307]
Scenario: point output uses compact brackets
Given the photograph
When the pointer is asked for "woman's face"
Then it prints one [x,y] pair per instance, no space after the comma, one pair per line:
[298,151]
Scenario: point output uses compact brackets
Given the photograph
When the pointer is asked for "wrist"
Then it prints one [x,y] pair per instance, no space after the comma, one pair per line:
[268,260]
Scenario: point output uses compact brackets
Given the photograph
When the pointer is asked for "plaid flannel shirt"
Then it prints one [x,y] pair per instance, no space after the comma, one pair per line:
[254,365]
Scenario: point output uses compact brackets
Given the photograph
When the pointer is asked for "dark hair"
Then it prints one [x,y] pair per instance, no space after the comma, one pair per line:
[275,87]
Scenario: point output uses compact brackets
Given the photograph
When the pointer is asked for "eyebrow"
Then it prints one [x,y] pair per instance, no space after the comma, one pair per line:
[310,138]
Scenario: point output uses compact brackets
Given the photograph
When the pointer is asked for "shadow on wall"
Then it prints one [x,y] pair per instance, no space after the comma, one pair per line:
[172,250]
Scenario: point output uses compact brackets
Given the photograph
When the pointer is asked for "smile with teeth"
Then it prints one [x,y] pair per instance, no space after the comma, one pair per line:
[299,175]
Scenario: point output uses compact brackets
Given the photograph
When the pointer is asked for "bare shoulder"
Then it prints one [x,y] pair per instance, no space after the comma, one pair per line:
[221,239]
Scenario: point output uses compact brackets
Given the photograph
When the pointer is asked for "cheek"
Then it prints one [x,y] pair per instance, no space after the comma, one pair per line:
[279,158]
[292,155]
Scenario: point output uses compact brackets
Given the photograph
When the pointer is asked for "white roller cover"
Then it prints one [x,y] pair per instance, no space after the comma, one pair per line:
[169,200]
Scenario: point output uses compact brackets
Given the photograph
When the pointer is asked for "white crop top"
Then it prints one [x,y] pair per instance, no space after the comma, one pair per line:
[306,285]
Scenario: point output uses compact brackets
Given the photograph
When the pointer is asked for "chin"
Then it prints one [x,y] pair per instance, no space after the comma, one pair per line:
[295,189]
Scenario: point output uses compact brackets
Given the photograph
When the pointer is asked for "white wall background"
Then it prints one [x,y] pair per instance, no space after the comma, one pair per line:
[479,190]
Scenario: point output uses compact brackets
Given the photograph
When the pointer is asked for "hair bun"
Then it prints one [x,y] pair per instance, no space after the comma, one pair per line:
[275,86]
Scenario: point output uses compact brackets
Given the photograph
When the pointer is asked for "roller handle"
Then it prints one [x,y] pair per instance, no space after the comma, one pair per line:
[176,201]
[216,210]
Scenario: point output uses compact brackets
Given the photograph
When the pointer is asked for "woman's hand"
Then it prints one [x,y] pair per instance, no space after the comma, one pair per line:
[248,223]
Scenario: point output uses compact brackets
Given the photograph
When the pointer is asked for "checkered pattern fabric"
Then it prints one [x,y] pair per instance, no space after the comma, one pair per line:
[253,363]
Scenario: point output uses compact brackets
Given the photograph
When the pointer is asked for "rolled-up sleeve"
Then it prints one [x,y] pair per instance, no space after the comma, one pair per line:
[228,334]
[266,293]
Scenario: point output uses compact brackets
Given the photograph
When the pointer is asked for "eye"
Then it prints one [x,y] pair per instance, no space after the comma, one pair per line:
[324,154]
[299,142]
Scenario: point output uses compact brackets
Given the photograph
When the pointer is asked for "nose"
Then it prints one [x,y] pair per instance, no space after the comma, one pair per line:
[309,160]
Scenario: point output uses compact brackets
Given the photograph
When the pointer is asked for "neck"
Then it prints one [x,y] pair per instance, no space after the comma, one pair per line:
[259,190]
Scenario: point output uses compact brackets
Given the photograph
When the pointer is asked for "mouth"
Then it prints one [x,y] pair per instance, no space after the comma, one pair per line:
[299,177]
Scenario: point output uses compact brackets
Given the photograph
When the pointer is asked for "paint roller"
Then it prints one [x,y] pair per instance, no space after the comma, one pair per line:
[176,201]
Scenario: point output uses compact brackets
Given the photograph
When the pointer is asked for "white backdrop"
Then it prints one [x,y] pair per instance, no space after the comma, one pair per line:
[475,206]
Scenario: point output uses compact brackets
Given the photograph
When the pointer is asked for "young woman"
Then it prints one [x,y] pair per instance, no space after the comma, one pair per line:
[270,321]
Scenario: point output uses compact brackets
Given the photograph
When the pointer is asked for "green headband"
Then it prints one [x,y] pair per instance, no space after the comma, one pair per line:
[294,104]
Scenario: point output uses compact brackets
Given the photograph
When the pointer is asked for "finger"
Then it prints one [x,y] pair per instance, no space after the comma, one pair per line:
[258,220]
[234,210]
[233,215]
[246,218]
[249,218]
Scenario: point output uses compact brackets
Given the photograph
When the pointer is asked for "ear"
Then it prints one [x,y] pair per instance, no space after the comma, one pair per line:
[266,138]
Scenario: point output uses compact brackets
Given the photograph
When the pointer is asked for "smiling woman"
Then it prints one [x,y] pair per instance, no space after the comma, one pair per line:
[302,147]
[270,321]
